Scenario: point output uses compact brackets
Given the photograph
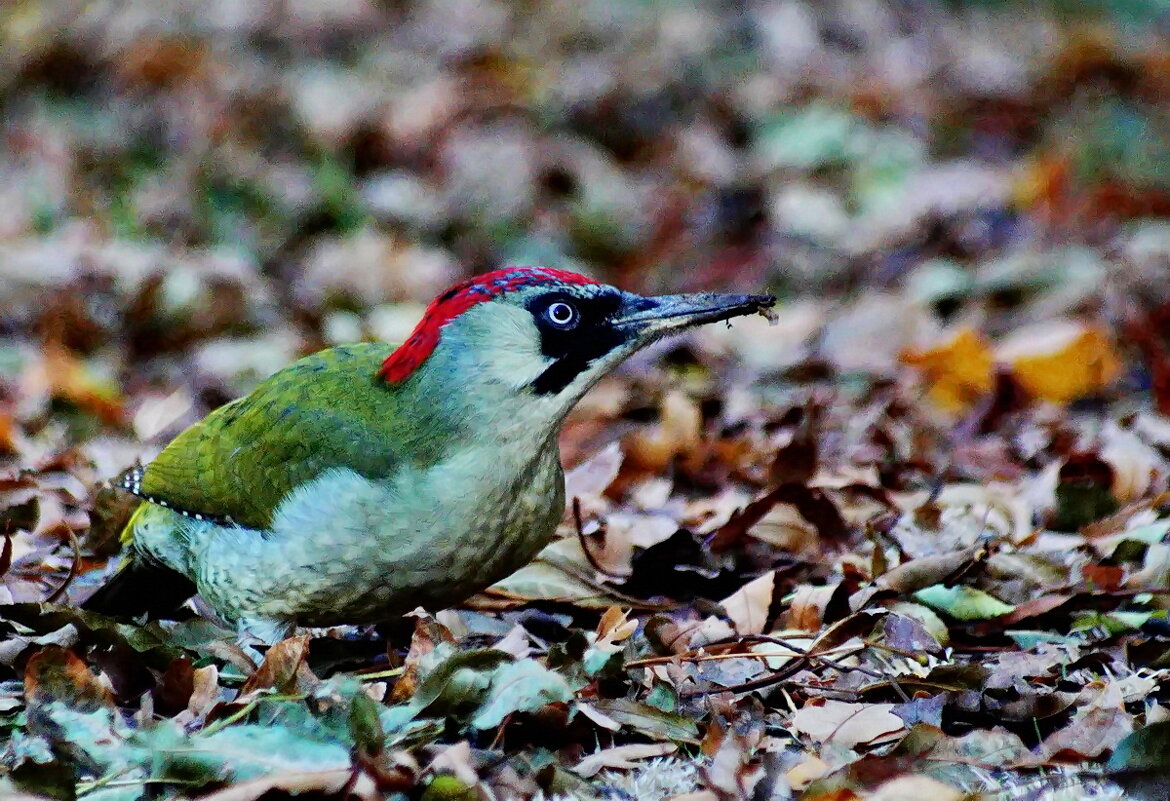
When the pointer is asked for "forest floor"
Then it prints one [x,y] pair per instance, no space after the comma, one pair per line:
[912,540]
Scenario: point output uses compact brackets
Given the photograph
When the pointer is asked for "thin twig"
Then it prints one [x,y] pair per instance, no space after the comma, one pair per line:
[651,661]
[576,572]
[873,674]
[880,646]
[381,674]
[246,710]
[74,569]
[799,657]
[585,547]
[756,684]
[805,685]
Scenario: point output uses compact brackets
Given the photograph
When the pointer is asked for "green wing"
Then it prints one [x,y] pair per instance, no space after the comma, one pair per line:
[327,410]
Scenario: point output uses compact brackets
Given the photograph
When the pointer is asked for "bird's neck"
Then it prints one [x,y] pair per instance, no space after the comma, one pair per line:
[458,406]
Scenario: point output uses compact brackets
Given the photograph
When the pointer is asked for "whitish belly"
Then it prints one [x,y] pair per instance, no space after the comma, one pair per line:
[348,550]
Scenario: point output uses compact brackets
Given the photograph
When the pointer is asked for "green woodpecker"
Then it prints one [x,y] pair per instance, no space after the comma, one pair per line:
[364,481]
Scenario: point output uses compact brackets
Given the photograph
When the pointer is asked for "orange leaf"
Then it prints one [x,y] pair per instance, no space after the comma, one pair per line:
[958,372]
[70,379]
[1061,361]
[281,667]
[7,433]
[55,674]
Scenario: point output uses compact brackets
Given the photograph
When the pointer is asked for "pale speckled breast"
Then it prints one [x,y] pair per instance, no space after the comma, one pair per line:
[371,550]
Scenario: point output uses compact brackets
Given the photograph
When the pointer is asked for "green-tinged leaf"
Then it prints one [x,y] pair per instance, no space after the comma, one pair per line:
[199,634]
[97,739]
[1150,534]
[1133,621]
[1145,748]
[816,136]
[663,697]
[962,603]
[939,279]
[28,748]
[1027,639]
[243,752]
[319,719]
[29,761]
[953,677]
[1114,622]
[459,682]
[403,727]
[365,725]
[649,721]
[598,662]
[44,619]
[521,686]
[1141,762]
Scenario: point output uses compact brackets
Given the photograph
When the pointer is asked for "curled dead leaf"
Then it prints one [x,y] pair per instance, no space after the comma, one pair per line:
[919,573]
[621,757]
[614,627]
[65,377]
[282,669]
[750,607]
[428,633]
[806,611]
[1137,467]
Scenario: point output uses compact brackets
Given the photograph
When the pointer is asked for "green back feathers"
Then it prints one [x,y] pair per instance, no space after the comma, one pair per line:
[327,410]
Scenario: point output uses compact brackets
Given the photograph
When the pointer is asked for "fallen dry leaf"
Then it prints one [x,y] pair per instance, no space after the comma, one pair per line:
[847,725]
[906,787]
[359,786]
[1061,361]
[749,608]
[283,666]
[678,432]
[958,371]
[621,757]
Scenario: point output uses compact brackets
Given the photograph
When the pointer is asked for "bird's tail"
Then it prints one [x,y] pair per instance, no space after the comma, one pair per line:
[140,585]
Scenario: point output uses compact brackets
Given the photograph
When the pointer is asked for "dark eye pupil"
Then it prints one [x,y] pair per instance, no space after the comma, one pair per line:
[561,313]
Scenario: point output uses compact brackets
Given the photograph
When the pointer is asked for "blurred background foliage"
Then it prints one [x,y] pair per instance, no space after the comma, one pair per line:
[183,177]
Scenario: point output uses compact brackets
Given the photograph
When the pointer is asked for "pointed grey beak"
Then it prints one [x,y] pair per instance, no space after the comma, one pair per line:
[651,317]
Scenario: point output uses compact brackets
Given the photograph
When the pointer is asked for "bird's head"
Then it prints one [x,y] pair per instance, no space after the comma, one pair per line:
[543,333]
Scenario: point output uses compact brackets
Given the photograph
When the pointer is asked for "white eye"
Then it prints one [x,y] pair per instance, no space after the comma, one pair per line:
[561,314]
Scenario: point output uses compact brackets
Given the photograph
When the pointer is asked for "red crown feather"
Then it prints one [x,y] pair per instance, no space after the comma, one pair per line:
[457,299]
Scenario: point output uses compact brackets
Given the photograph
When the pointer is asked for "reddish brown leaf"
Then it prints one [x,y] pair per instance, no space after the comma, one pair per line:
[283,666]
[56,674]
